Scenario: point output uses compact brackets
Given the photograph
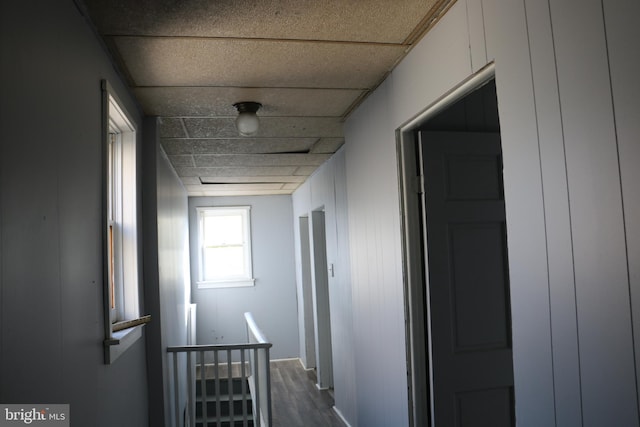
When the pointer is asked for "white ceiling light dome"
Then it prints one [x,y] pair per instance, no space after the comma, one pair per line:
[247,121]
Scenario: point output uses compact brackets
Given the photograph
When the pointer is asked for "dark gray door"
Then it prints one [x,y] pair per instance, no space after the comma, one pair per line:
[468,280]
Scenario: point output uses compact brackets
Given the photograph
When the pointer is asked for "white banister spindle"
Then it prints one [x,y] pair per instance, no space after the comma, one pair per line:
[243,374]
[216,382]
[254,367]
[203,388]
[176,389]
[267,393]
[191,385]
[256,384]
[230,381]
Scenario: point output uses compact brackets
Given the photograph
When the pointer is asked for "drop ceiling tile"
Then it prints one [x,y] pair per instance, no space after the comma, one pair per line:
[246,186]
[190,180]
[240,179]
[222,193]
[196,192]
[237,145]
[301,127]
[218,101]
[305,170]
[308,63]
[178,145]
[172,128]
[182,161]
[327,145]
[226,160]
[211,128]
[376,20]
[290,186]
[161,61]
[276,127]
[236,171]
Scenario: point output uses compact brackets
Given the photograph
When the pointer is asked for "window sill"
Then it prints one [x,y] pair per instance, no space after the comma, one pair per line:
[240,283]
[120,342]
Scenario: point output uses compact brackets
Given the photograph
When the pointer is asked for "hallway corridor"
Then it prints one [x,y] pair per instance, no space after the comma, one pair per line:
[295,399]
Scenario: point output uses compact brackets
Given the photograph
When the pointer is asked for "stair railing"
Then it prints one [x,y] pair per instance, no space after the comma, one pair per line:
[220,397]
[260,379]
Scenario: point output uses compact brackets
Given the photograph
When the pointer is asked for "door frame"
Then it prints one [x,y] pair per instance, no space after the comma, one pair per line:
[308,317]
[321,300]
[415,268]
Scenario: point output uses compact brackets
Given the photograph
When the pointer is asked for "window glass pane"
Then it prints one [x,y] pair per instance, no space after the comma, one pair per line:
[224,262]
[220,230]
[224,245]
[120,212]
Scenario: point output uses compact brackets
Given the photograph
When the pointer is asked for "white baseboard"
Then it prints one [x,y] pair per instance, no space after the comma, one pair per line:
[337,411]
[285,359]
[304,367]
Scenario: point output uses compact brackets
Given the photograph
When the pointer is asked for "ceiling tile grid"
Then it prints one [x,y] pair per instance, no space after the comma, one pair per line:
[256,63]
[250,145]
[310,63]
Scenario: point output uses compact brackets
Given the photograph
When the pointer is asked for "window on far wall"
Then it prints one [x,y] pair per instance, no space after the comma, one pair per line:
[121,293]
[224,246]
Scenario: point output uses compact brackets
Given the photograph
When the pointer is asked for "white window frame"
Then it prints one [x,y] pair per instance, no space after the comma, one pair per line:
[121,281]
[247,278]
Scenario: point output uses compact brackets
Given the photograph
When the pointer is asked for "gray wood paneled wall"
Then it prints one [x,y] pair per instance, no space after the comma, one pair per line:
[272,300]
[568,93]
[51,323]
[326,190]
[566,76]
[167,287]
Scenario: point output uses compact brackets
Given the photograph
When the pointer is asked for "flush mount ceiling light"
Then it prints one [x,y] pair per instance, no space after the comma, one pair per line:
[247,121]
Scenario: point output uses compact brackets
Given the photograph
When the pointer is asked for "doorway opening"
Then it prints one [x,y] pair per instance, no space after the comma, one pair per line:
[308,355]
[321,307]
[455,259]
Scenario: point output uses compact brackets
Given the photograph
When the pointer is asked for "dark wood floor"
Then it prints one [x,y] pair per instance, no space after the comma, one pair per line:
[295,399]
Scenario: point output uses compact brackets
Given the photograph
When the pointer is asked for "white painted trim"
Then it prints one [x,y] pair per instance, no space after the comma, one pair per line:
[244,280]
[337,411]
[307,318]
[416,273]
[116,119]
[304,366]
[120,342]
[218,284]
[287,359]
[474,82]
[321,304]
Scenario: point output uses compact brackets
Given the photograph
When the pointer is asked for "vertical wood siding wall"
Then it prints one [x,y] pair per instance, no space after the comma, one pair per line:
[51,323]
[326,190]
[272,299]
[167,287]
[568,94]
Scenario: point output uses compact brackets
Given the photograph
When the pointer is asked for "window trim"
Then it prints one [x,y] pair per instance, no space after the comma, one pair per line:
[120,227]
[246,280]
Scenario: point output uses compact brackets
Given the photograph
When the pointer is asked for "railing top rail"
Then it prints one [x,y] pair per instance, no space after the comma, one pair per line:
[255,331]
[210,347]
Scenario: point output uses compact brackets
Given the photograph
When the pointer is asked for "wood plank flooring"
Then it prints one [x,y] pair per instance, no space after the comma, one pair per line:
[295,399]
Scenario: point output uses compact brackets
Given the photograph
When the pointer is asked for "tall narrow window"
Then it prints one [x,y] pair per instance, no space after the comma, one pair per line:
[114,222]
[224,240]
[122,306]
